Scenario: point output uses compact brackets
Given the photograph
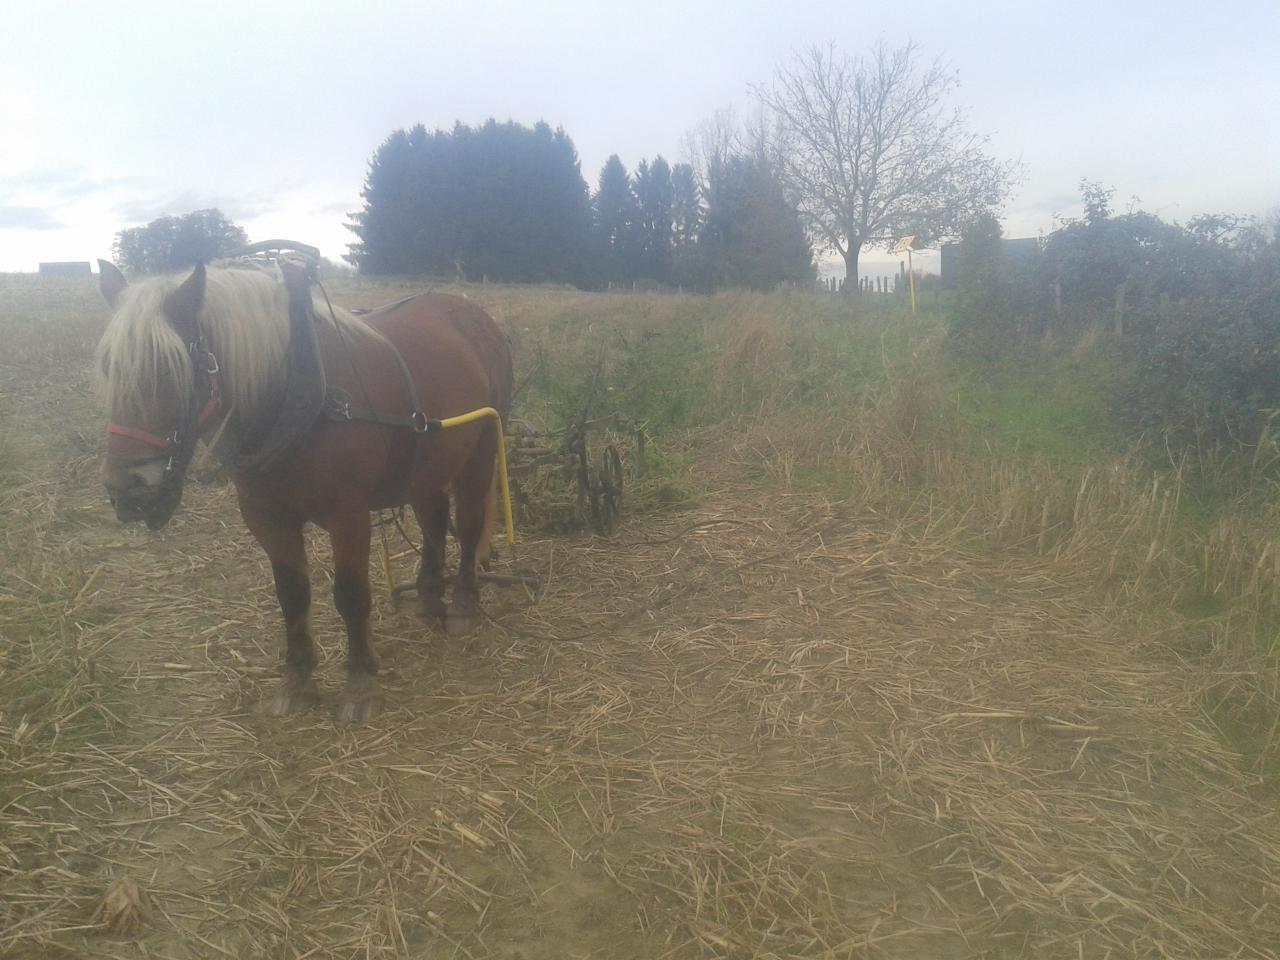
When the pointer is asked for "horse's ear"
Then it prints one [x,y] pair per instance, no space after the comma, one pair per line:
[111,282]
[183,305]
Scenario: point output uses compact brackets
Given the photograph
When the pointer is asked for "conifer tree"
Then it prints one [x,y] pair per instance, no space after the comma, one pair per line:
[615,222]
[752,235]
[686,222]
[500,201]
[654,201]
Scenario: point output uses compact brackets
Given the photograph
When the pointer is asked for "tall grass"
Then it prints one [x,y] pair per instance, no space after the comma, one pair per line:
[871,406]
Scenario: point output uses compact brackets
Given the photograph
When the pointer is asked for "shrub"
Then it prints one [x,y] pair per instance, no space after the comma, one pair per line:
[1206,369]
[997,301]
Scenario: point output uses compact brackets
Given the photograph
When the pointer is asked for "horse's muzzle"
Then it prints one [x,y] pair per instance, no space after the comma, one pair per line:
[154,506]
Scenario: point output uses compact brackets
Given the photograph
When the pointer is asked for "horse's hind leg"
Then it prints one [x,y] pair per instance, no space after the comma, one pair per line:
[361,698]
[472,496]
[433,518]
[288,554]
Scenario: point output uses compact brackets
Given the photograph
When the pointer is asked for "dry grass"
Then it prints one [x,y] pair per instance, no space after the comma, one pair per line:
[776,725]
[1118,526]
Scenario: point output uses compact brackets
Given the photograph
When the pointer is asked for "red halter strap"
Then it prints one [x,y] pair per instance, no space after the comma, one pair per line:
[150,439]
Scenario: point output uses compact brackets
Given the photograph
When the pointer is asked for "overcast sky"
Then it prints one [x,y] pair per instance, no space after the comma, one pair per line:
[112,114]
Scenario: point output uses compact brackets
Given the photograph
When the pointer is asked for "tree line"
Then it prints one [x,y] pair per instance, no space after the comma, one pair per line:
[170,244]
[508,203]
[845,152]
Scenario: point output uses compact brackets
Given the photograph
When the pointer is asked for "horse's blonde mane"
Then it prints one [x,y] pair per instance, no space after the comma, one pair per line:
[244,320]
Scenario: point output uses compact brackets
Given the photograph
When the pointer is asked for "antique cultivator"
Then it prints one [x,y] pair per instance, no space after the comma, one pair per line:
[590,492]
[551,481]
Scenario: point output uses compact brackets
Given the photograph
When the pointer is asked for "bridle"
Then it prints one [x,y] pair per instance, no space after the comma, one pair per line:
[206,405]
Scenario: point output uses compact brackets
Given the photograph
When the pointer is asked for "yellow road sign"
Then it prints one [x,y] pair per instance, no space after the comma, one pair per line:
[905,245]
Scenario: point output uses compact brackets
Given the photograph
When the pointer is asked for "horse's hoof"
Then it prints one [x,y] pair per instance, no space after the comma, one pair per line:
[460,624]
[293,695]
[360,702]
[359,711]
[431,609]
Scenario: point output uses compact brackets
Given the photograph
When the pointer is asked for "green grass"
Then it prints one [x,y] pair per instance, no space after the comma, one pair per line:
[1061,410]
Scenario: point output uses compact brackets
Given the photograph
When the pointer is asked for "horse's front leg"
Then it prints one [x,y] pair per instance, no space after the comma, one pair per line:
[284,546]
[349,533]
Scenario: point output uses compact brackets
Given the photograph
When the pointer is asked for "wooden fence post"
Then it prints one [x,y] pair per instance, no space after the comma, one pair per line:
[1120,310]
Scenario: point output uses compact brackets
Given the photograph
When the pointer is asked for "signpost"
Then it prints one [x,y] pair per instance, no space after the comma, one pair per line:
[905,245]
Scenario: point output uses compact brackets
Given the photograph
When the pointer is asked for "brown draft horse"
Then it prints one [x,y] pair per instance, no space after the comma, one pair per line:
[181,360]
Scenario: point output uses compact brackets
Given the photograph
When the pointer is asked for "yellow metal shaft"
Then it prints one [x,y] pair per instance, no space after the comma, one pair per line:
[480,414]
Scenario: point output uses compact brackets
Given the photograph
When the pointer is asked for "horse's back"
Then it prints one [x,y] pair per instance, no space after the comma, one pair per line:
[436,330]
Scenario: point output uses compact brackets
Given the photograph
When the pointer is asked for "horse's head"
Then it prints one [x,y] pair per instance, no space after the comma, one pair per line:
[164,385]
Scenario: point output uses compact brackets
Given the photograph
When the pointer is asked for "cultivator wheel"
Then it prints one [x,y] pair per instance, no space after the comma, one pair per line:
[608,488]
[565,479]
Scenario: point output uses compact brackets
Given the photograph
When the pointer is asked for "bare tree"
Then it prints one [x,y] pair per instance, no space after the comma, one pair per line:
[712,142]
[870,150]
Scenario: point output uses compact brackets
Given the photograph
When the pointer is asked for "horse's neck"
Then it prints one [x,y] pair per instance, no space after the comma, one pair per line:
[251,424]
[247,423]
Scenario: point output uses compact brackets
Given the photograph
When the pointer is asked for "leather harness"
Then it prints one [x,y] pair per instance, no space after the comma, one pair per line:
[307,393]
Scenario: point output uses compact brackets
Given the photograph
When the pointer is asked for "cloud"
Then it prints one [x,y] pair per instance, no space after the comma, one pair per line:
[341,208]
[1054,203]
[146,209]
[61,184]
[27,218]
[246,206]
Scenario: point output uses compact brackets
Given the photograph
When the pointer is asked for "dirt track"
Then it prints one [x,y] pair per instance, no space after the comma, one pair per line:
[761,727]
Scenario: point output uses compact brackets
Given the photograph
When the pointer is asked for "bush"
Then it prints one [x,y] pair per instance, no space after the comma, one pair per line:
[1205,370]
[1200,349]
[998,302]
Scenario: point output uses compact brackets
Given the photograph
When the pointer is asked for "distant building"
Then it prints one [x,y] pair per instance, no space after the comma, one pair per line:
[1017,250]
[66,268]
